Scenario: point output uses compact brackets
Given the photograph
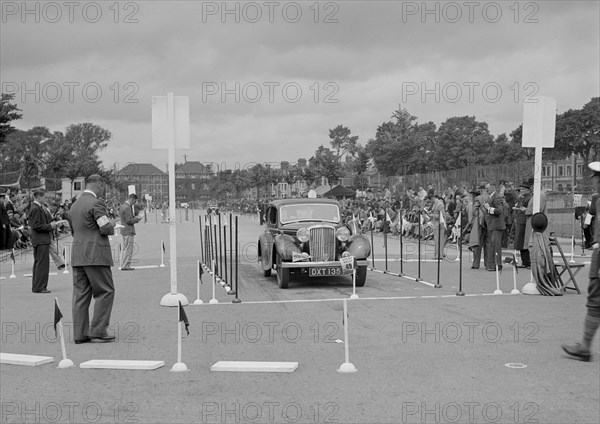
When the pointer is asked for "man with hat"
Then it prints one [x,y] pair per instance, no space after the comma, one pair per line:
[92,262]
[128,219]
[521,235]
[592,319]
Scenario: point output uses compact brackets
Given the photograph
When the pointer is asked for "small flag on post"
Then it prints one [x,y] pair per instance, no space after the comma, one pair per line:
[515,263]
[200,271]
[163,247]
[57,316]
[12,255]
[183,318]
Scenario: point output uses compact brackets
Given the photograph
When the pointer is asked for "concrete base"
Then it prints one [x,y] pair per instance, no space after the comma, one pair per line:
[26,360]
[530,288]
[254,366]
[122,364]
[173,299]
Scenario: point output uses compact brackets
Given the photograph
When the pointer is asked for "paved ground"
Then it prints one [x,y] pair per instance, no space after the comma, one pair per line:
[423,354]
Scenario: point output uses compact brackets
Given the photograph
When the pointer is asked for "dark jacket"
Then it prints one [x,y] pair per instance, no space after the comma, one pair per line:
[40,222]
[127,219]
[90,227]
[495,219]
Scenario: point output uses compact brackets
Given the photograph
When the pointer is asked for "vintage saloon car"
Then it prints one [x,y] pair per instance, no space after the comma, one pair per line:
[307,237]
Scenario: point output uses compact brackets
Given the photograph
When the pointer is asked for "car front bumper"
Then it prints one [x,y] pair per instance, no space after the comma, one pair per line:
[359,262]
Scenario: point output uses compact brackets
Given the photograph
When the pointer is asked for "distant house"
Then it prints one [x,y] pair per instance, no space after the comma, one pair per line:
[191,180]
[71,189]
[147,178]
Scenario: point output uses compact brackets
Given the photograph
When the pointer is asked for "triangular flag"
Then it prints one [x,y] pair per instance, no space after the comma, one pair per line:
[387,217]
[64,252]
[200,271]
[12,255]
[57,315]
[442,219]
[515,263]
[183,317]
[163,247]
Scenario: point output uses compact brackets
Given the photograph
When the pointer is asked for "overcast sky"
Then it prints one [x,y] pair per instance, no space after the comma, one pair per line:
[267,80]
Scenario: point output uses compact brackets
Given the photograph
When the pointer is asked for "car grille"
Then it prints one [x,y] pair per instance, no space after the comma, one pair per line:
[322,244]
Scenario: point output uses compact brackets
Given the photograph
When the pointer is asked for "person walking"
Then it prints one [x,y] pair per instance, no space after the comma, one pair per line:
[582,351]
[128,219]
[92,262]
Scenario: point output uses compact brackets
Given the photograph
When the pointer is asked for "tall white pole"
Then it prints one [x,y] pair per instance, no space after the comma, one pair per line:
[172,222]
[347,366]
[173,298]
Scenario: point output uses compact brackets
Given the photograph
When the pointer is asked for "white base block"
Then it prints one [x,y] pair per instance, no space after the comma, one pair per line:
[530,288]
[27,360]
[347,367]
[254,366]
[353,296]
[497,291]
[179,367]
[515,291]
[173,299]
[65,363]
[122,364]
[198,302]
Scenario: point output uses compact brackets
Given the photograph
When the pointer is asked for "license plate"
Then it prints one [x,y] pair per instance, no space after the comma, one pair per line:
[324,271]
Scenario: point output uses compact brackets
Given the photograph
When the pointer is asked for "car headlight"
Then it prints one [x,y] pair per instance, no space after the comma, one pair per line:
[342,234]
[303,235]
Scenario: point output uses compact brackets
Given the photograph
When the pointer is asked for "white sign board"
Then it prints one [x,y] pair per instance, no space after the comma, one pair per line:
[131,189]
[347,263]
[160,122]
[539,123]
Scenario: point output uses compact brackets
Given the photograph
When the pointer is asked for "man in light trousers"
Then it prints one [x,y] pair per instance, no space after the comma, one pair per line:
[128,219]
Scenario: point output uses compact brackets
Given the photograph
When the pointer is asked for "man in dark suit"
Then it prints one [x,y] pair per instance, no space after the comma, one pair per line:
[495,222]
[42,226]
[128,219]
[92,262]
[4,224]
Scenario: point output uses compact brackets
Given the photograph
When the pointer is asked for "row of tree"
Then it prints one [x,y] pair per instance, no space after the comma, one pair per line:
[401,146]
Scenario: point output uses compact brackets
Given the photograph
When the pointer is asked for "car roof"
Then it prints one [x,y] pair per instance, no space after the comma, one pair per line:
[282,202]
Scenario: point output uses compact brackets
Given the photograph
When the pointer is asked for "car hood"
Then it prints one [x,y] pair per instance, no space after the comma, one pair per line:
[295,226]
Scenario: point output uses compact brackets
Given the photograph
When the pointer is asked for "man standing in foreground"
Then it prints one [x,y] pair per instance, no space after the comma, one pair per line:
[42,226]
[592,319]
[92,261]
[128,219]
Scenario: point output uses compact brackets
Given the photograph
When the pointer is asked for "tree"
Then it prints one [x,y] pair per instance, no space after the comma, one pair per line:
[578,131]
[461,142]
[326,165]
[31,150]
[342,142]
[403,146]
[359,168]
[8,113]
[76,153]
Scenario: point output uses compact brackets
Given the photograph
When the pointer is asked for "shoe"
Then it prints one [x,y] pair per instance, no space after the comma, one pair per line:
[490,269]
[521,266]
[474,267]
[61,267]
[43,291]
[128,268]
[577,351]
[86,340]
[105,339]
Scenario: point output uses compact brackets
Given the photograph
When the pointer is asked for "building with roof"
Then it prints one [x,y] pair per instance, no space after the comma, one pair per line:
[191,181]
[147,178]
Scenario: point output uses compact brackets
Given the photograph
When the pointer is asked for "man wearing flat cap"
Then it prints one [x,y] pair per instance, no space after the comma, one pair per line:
[581,350]
[128,219]
[92,262]
[522,236]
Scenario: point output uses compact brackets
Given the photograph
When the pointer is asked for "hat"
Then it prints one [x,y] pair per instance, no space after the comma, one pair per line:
[475,191]
[525,184]
[594,166]
[539,222]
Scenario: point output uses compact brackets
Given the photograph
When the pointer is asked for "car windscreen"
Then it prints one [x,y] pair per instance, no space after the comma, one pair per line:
[309,212]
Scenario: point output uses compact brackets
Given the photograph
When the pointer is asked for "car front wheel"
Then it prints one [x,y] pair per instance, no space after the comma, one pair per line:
[283,275]
[361,276]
